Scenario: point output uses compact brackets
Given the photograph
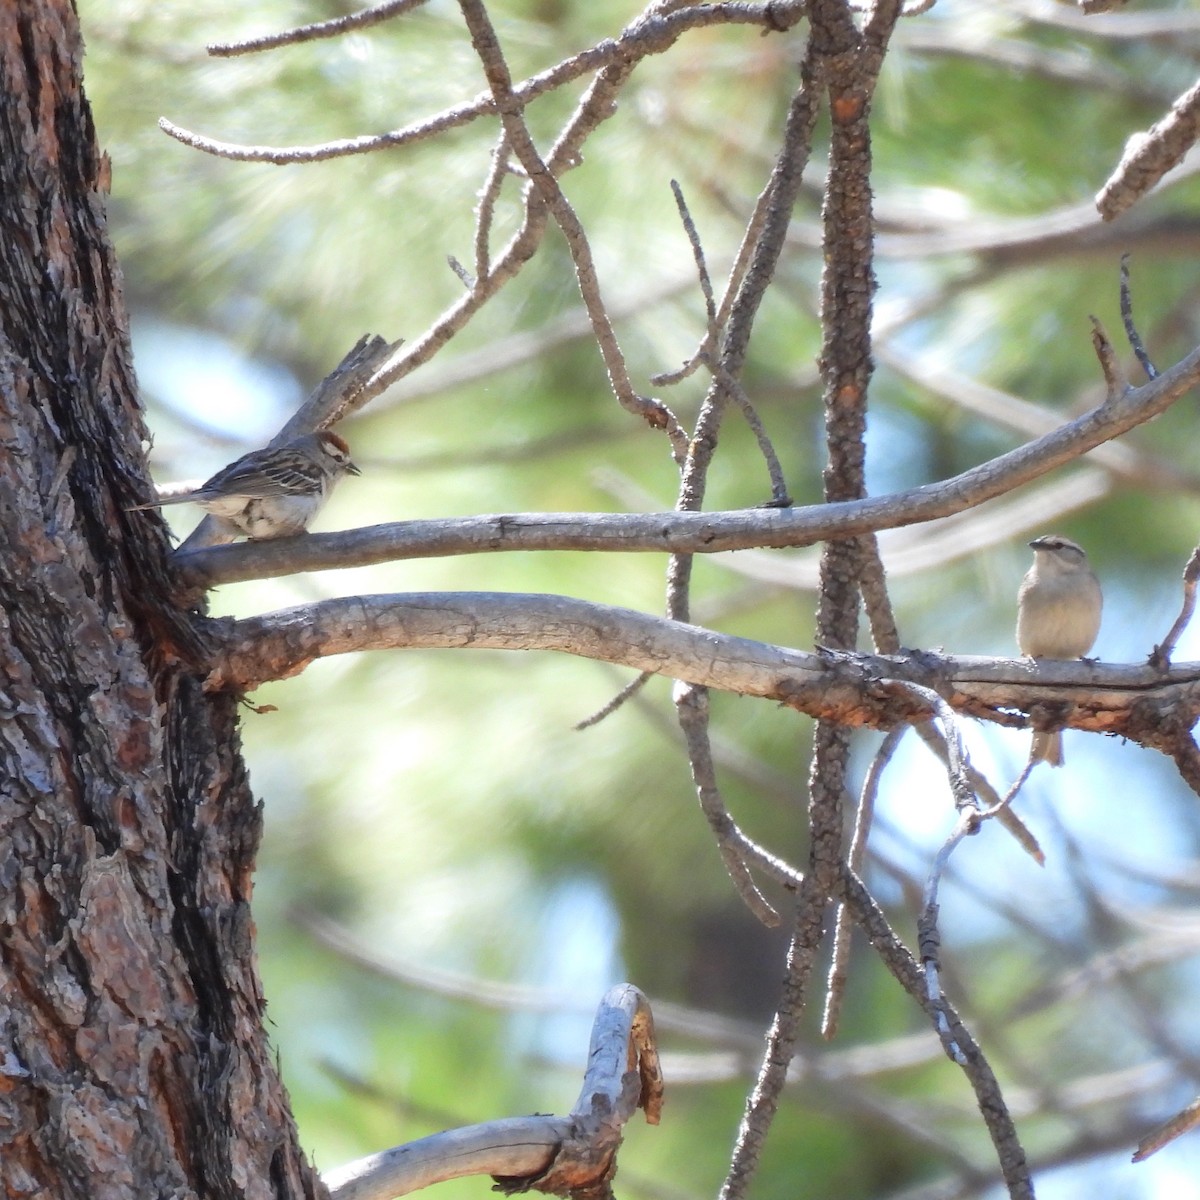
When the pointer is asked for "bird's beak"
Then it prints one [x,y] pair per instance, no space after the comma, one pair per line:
[351,469]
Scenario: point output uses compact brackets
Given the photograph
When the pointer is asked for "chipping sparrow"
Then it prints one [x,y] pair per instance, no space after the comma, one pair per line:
[274,492]
[1058,616]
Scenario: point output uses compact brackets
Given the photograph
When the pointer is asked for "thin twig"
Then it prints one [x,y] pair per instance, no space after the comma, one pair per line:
[1183,1122]
[928,937]
[904,968]
[518,347]
[335,27]
[630,690]
[689,227]
[958,765]
[511,109]
[970,821]
[839,966]
[648,35]
[1161,656]
[596,105]
[776,207]
[745,256]
[709,344]
[982,787]
[1114,378]
[707,354]
[1131,332]
[691,705]
[463,275]
[485,209]
[780,496]
[873,581]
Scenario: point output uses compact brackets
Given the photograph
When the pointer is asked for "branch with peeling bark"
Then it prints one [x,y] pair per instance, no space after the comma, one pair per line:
[852,689]
[573,1155]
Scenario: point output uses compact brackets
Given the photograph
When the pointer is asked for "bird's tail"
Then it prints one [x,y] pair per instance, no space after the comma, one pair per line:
[1047,747]
[171,498]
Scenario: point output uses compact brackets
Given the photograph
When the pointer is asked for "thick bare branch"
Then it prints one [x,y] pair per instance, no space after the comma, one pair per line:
[516,1146]
[695,532]
[851,689]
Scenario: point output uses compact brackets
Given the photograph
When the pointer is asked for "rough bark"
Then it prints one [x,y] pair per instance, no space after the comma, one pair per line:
[133,1061]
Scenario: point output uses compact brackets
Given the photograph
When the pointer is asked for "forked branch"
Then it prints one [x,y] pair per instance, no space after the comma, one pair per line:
[573,1155]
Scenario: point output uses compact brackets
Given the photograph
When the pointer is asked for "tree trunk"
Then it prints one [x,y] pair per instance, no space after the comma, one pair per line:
[133,1061]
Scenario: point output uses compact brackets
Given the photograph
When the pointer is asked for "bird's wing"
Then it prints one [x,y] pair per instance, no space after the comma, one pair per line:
[261,475]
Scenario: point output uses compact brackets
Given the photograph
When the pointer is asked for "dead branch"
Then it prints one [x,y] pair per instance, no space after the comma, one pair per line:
[334,27]
[694,532]
[1183,1122]
[649,34]
[511,110]
[904,968]
[1161,655]
[853,689]
[565,1156]
[691,706]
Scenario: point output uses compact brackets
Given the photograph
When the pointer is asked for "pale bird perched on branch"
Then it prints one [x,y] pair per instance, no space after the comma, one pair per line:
[273,492]
[1058,616]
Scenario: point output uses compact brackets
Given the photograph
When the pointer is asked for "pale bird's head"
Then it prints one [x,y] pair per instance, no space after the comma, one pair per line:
[1053,552]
